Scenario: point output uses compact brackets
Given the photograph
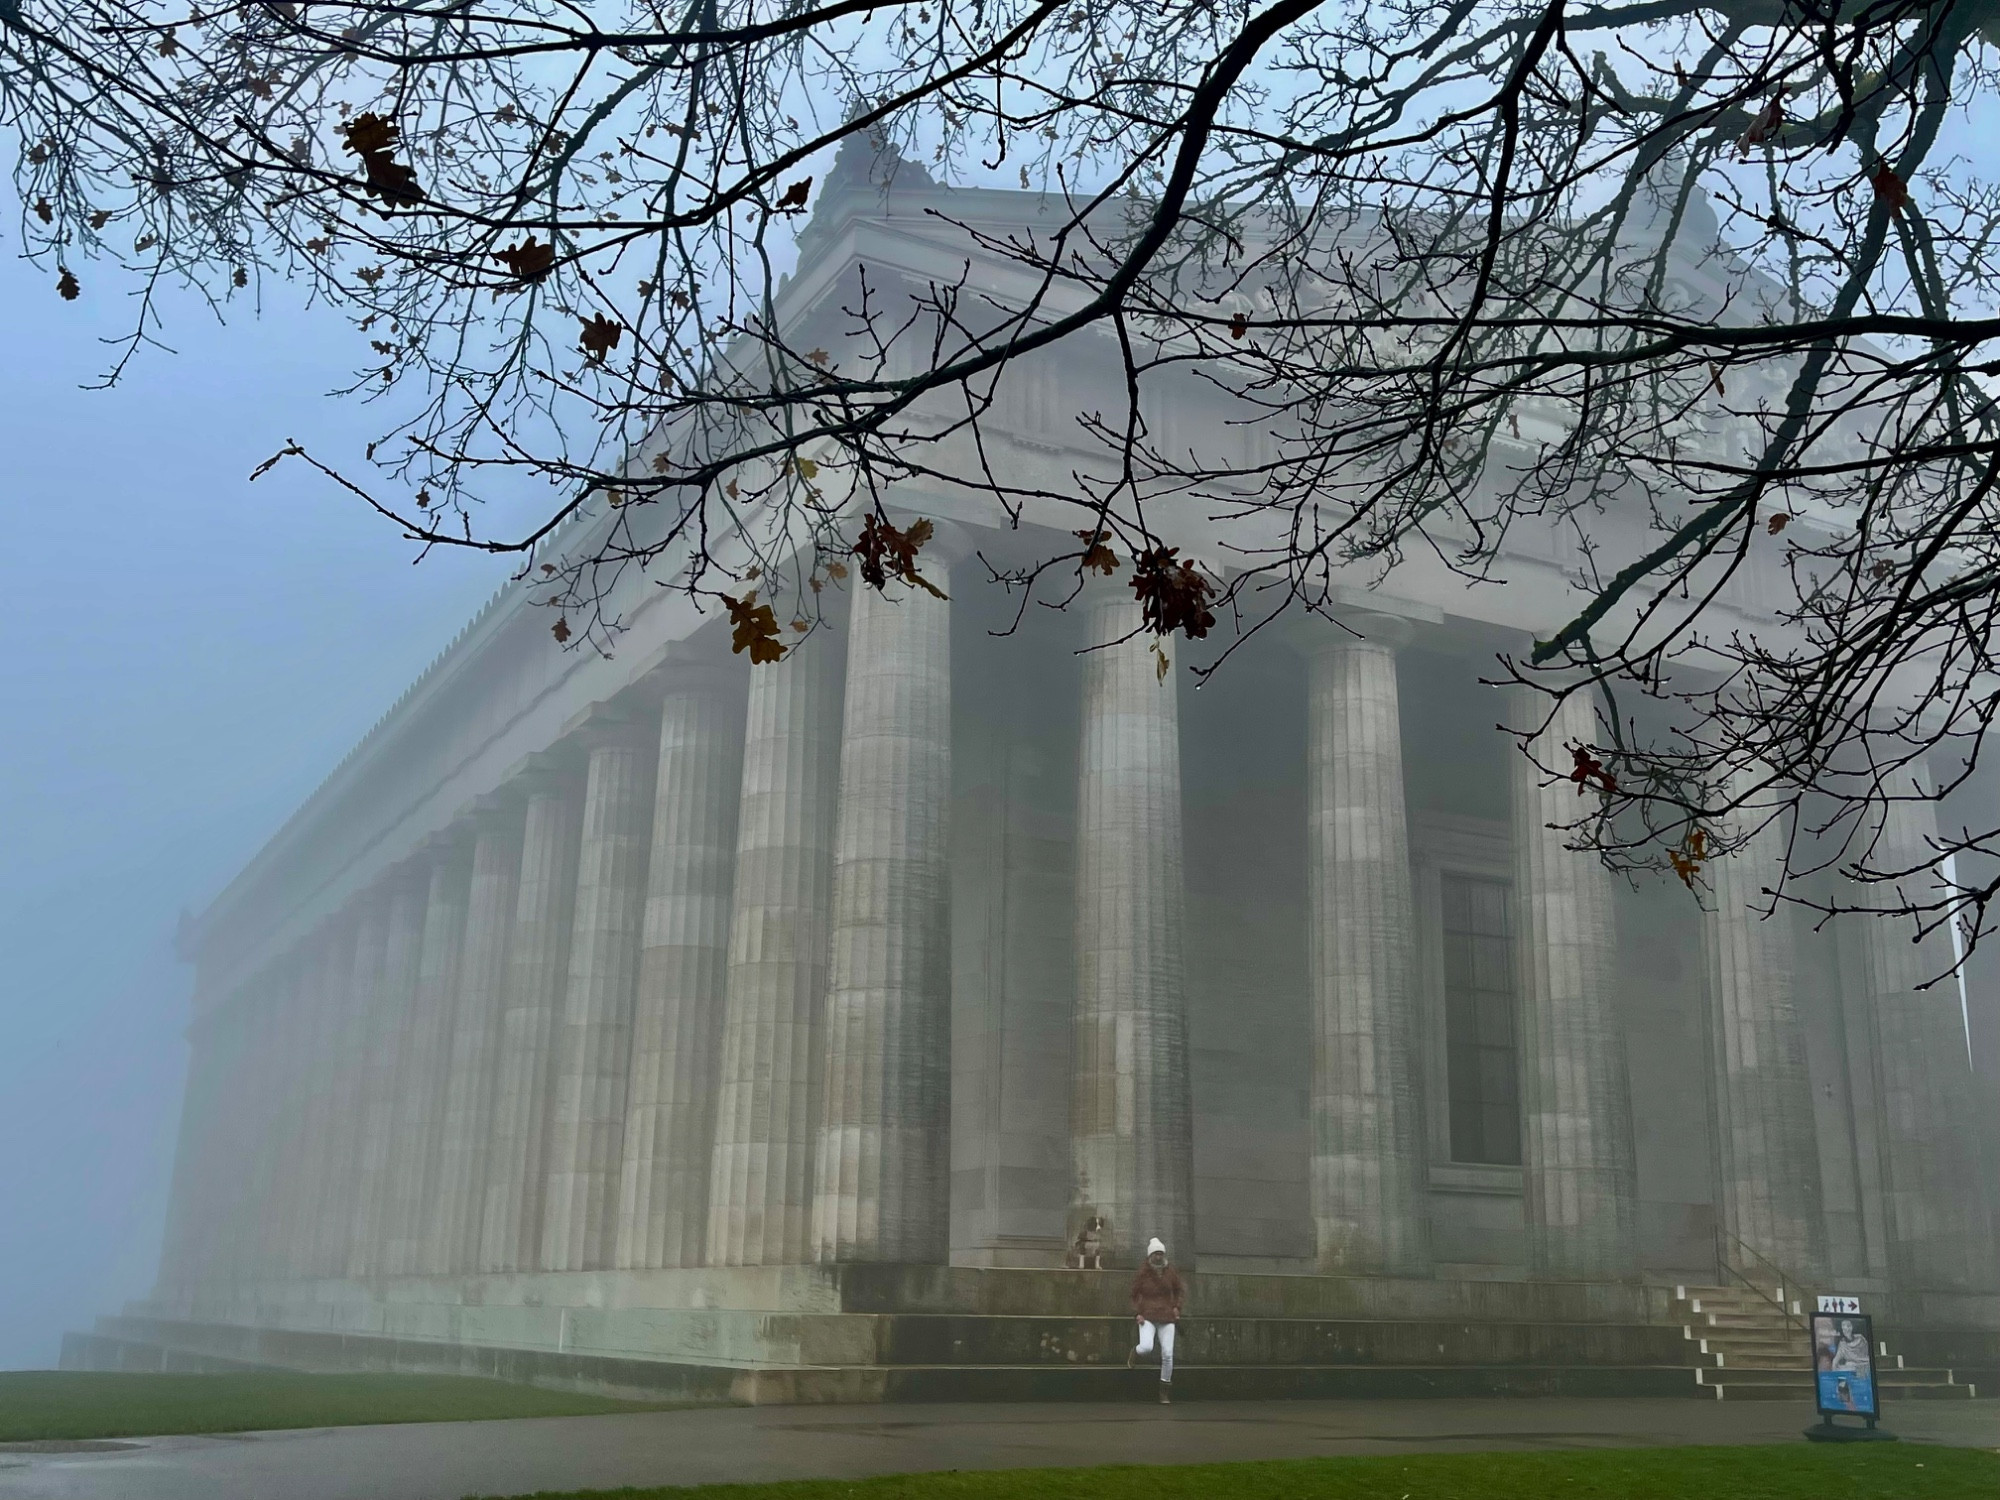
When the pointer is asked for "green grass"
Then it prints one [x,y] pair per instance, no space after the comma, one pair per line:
[57,1404]
[1902,1471]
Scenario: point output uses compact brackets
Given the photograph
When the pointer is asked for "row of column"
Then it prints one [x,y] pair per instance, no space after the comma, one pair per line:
[690,1003]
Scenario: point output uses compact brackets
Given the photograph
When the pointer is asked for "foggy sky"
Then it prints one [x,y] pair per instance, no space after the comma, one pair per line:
[186,655]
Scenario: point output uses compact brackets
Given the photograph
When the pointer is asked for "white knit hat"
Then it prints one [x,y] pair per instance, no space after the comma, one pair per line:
[1153,1246]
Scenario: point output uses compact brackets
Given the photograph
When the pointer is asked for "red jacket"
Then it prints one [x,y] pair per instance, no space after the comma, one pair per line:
[1157,1295]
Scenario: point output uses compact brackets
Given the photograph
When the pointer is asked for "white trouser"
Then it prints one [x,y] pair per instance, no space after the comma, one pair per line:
[1166,1333]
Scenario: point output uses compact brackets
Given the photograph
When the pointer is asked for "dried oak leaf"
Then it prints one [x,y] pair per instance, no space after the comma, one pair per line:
[1889,188]
[1096,555]
[1238,325]
[753,628]
[368,133]
[1777,523]
[241,277]
[374,139]
[43,211]
[168,46]
[260,88]
[560,630]
[528,261]
[885,551]
[793,199]
[600,336]
[99,219]
[1688,859]
[1172,593]
[66,285]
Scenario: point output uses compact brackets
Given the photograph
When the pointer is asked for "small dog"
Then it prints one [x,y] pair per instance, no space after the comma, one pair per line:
[1087,1252]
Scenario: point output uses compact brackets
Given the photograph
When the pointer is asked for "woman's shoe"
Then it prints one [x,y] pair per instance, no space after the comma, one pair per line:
[1166,1394]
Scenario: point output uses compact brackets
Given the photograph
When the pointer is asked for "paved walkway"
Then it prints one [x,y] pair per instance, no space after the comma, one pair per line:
[449,1460]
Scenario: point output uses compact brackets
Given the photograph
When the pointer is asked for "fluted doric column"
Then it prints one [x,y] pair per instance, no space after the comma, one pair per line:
[1370,1188]
[1131,1128]
[473,1069]
[683,968]
[1933,1204]
[390,1027]
[594,1038]
[363,977]
[882,1174]
[180,1243]
[760,1180]
[331,955]
[353,989]
[419,1122]
[537,968]
[1579,1179]
[1767,1156]
[289,1210]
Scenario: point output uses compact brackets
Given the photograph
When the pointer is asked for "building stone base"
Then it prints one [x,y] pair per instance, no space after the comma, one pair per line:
[762,1335]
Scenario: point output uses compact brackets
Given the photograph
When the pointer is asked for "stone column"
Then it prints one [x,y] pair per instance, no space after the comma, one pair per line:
[420,1104]
[594,1039]
[1578,1176]
[363,978]
[537,968]
[683,969]
[472,1073]
[1131,1127]
[291,1119]
[390,1028]
[1370,1163]
[1934,1211]
[330,955]
[882,1178]
[1767,1155]
[760,1179]
[179,1243]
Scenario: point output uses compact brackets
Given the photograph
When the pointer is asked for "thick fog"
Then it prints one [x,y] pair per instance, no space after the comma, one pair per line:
[186,655]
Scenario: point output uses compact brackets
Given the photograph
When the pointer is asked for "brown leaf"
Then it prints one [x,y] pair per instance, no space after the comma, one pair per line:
[66,285]
[1588,769]
[793,200]
[806,467]
[319,246]
[753,628]
[661,463]
[560,630]
[369,133]
[547,569]
[260,88]
[1096,556]
[529,261]
[1881,569]
[1777,523]
[1160,662]
[1172,593]
[1889,188]
[43,211]
[1238,325]
[818,357]
[837,571]
[168,46]
[886,551]
[144,243]
[241,277]
[99,219]
[600,336]
[1767,123]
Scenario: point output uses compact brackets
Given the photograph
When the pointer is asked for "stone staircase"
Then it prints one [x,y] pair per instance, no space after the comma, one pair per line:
[1751,1343]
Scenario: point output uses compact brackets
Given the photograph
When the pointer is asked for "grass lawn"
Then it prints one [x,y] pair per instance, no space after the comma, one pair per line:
[45,1404]
[1899,1471]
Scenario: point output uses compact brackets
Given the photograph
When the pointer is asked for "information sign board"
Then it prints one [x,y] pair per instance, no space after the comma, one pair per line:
[1844,1364]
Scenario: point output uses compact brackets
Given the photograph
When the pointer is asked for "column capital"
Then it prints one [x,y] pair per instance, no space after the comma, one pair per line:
[1350,618]
[697,664]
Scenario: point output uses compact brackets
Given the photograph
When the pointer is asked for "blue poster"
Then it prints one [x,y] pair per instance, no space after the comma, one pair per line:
[1844,1364]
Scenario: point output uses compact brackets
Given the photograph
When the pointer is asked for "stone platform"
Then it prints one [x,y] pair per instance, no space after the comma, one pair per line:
[809,1334]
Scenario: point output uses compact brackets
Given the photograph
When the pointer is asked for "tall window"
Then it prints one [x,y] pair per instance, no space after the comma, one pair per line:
[1481,1056]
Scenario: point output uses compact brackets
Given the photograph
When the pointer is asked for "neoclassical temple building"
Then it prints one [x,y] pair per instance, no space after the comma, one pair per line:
[656,1021]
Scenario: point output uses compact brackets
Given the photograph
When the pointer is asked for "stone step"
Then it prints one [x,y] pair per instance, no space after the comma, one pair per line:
[1764,1384]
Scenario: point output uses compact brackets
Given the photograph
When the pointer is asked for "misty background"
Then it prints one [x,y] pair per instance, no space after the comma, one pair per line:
[186,656]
